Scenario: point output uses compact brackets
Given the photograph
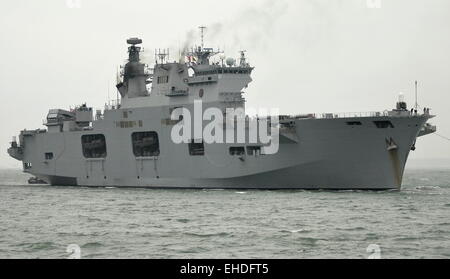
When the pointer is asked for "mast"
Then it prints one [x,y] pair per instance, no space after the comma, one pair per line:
[134,74]
[416,105]
[202,29]
[201,53]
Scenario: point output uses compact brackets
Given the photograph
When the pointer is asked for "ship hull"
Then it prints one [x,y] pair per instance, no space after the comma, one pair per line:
[325,154]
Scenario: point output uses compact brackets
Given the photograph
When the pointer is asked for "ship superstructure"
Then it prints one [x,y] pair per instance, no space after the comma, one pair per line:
[131,143]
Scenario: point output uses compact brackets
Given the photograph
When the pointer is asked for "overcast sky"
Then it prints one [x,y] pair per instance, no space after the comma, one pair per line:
[310,55]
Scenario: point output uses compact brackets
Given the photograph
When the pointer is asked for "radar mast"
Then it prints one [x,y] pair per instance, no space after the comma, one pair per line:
[202,53]
[134,83]
[202,29]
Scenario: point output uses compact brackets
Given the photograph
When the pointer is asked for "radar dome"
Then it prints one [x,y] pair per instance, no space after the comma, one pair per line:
[230,61]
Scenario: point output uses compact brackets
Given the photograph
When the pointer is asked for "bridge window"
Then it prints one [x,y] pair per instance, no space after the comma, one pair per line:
[145,144]
[384,124]
[48,156]
[237,150]
[196,148]
[94,146]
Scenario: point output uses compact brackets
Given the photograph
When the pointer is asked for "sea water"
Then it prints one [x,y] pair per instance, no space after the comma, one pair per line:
[41,221]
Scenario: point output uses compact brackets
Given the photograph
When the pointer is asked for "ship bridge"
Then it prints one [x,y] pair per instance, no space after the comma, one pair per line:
[219,82]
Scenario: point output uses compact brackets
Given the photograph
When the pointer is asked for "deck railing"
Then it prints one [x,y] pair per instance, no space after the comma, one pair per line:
[392,113]
[351,114]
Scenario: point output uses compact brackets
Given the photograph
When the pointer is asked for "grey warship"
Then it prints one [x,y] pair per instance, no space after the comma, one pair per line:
[129,144]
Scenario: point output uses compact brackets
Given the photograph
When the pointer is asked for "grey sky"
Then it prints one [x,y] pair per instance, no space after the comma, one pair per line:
[310,55]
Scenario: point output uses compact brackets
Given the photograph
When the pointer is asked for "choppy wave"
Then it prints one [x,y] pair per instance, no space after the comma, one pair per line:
[41,221]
